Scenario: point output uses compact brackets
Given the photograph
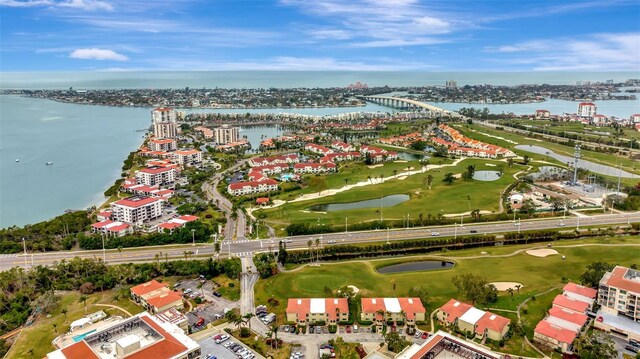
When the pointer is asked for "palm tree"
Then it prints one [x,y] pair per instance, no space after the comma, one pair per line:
[83,299]
[64,312]
[309,243]
[510,291]
[274,331]
[428,180]
[318,249]
[247,319]
[369,178]
[518,288]
[395,173]
[469,201]
[55,327]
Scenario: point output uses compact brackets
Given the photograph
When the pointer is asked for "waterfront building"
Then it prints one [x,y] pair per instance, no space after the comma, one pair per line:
[342,146]
[543,114]
[234,146]
[156,176]
[163,145]
[226,134]
[586,109]
[317,149]
[443,345]
[635,118]
[101,216]
[187,157]
[164,122]
[138,337]
[206,132]
[378,310]
[378,154]
[312,167]
[312,310]
[251,187]
[137,209]
[619,300]
[272,160]
[451,84]
[471,319]
[131,186]
[340,157]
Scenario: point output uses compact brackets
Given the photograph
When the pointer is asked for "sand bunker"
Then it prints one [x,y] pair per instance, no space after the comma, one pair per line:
[489,164]
[376,166]
[457,175]
[354,289]
[402,177]
[504,286]
[400,161]
[541,252]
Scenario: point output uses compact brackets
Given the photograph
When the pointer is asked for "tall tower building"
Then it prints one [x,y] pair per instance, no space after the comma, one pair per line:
[164,122]
[226,134]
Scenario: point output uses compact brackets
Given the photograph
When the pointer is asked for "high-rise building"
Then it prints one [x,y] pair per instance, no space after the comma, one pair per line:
[619,300]
[164,122]
[226,134]
[586,109]
[451,84]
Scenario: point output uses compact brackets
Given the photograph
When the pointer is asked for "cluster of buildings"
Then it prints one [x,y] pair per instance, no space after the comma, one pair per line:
[467,318]
[402,140]
[567,318]
[127,212]
[156,297]
[460,145]
[586,114]
[164,143]
[335,310]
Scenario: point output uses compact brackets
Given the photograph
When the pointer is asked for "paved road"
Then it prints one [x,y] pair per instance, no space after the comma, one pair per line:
[244,247]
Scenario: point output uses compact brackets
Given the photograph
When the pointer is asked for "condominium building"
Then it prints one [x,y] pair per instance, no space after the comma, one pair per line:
[471,319]
[251,187]
[619,292]
[313,310]
[226,134]
[137,209]
[156,176]
[442,345]
[187,157]
[164,122]
[111,228]
[163,145]
[139,337]
[156,297]
[317,149]
[312,167]
[378,310]
[586,109]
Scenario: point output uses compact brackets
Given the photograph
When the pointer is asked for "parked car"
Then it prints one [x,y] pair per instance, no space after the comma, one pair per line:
[434,234]
[473,231]
[188,290]
[632,348]
[217,294]
[425,335]
[331,241]
[355,328]
[293,329]
[311,329]
[286,328]
[418,334]
[348,329]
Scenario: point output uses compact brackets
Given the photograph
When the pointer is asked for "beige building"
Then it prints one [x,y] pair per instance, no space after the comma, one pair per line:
[313,310]
[164,123]
[471,319]
[156,297]
[137,209]
[619,298]
[226,134]
[187,157]
[156,176]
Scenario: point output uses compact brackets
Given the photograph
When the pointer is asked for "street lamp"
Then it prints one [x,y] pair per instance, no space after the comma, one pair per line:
[24,244]
[104,252]
[193,237]
[455,230]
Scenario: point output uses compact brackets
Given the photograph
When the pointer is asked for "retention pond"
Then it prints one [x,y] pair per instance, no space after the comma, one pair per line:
[415,266]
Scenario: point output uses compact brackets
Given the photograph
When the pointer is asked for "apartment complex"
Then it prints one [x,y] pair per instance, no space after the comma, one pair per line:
[586,109]
[187,157]
[139,337]
[156,297]
[226,134]
[313,310]
[443,345]
[618,297]
[251,187]
[469,318]
[111,228]
[379,310]
[164,122]
[315,168]
[156,176]
[163,145]
[137,209]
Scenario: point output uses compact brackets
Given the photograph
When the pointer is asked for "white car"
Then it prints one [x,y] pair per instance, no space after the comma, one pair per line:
[332,241]
[435,234]
[516,224]
[286,240]
[561,224]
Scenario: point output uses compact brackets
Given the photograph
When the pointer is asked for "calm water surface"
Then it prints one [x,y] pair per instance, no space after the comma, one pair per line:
[415,266]
[387,201]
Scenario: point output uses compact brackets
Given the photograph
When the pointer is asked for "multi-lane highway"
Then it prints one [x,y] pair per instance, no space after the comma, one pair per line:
[243,247]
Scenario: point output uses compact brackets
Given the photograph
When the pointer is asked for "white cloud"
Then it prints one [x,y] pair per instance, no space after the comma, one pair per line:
[88,5]
[608,51]
[97,54]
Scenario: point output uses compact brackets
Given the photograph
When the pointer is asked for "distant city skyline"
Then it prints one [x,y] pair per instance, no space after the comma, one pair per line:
[357,35]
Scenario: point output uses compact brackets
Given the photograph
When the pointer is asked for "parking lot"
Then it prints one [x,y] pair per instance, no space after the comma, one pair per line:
[213,307]
[209,346]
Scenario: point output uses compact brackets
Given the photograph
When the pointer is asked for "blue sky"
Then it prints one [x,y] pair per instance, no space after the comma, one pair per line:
[393,35]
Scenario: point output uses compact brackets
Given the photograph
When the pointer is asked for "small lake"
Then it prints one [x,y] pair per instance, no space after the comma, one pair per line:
[415,266]
[411,156]
[486,175]
[387,201]
[582,163]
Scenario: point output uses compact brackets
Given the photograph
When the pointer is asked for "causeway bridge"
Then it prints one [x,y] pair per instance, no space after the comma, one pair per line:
[404,103]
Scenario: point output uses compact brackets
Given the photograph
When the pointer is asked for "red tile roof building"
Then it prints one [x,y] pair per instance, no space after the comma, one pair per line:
[619,292]
[156,297]
[187,157]
[554,335]
[163,145]
[137,209]
[378,310]
[563,301]
[317,149]
[444,345]
[156,176]
[176,223]
[311,310]
[111,228]
[265,161]
[340,157]
[469,318]
[311,167]
[251,187]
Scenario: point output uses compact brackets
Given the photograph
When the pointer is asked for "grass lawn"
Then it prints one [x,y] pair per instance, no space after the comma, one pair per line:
[442,198]
[536,274]
[479,132]
[229,288]
[35,340]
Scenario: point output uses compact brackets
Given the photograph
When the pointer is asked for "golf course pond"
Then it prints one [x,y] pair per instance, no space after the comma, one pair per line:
[387,201]
[415,266]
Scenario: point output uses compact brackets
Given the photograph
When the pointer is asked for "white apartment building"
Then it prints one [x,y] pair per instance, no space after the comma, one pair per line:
[137,209]
[226,134]
[586,109]
[164,122]
[250,187]
[619,292]
[156,176]
[187,157]
[164,145]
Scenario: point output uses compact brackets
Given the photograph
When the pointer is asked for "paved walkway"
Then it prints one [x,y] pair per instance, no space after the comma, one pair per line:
[115,307]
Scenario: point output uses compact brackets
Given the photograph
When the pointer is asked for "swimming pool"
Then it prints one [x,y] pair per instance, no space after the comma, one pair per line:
[79,337]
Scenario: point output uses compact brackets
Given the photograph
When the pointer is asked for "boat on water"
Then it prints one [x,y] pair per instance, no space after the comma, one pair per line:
[49,163]
[17,160]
